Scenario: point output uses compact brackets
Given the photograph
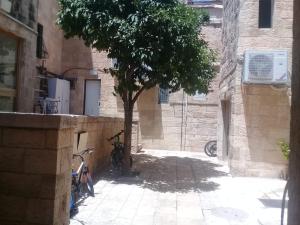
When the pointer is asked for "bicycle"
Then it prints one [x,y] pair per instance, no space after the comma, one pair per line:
[118,152]
[210,148]
[82,182]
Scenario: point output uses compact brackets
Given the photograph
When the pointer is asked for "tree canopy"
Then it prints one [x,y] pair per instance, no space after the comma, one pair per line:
[155,42]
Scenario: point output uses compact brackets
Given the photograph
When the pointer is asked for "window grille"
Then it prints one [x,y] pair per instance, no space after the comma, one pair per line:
[163,96]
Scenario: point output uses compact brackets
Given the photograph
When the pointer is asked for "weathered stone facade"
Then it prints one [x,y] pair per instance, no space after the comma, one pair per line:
[253,118]
[21,24]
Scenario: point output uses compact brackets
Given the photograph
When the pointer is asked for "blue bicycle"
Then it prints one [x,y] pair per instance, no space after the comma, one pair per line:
[82,183]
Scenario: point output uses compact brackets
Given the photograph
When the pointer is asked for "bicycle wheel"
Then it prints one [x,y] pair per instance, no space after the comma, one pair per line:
[90,185]
[210,148]
[86,186]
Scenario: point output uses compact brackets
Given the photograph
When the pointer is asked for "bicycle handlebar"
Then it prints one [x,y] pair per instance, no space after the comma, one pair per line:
[80,154]
[117,135]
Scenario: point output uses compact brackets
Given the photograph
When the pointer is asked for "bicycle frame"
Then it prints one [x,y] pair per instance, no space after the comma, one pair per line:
[79,177]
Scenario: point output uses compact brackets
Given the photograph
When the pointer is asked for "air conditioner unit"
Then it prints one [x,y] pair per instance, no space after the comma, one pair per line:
[266,67]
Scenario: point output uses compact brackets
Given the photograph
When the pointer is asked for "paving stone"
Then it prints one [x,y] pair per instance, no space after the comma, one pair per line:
[172,190]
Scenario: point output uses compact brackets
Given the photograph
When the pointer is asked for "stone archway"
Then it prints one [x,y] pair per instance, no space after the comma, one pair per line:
[294,170]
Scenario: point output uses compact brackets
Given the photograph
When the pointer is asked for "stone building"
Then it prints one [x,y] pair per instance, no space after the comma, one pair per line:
[34,52]
[254,117]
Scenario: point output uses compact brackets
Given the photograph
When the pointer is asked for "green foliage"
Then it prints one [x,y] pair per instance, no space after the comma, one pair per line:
[155,42]
[285,148]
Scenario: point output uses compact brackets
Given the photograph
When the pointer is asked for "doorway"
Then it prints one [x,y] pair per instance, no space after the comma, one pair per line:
[92,97]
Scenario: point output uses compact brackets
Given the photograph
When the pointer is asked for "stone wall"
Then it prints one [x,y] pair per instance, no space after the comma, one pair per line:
[35,168]
[78,64]
[185,123]
[98,129]
[259,113]
[36,161]
[52,35]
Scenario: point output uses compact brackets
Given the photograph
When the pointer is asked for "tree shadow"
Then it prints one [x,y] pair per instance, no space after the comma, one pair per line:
[170,174]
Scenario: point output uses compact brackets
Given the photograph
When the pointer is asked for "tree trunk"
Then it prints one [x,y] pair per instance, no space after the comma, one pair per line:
[128,112]
[294,169]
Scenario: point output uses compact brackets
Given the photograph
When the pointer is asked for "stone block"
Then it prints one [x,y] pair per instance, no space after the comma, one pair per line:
[25,138]
[27,185]
[41,162]
[65,138]
[64,160]
[52,139]
[12,208]
[62,210]
[39,211]
[56,139]
[12,159]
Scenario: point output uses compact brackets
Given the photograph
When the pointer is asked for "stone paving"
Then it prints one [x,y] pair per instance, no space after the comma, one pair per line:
[181,188]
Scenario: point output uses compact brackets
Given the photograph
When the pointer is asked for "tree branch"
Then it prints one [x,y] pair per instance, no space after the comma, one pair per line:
[138,94]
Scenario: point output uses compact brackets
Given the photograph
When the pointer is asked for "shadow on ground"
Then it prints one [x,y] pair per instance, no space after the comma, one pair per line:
[171,174]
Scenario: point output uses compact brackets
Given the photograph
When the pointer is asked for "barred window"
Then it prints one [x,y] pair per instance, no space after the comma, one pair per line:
[163,96]
[265,13]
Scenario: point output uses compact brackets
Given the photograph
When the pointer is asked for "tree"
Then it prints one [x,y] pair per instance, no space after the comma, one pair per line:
[155,42]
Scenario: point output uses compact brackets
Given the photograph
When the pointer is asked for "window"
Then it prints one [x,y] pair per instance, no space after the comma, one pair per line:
[265,13]
[39,43]
[8,62]
[163,96]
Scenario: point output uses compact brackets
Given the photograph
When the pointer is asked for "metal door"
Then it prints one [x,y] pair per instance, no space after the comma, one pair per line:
[92,97]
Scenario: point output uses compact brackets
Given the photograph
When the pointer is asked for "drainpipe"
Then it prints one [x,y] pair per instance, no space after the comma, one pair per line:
[185,124]
[182,111]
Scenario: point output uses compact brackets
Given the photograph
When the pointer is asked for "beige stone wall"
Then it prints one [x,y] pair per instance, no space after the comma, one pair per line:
[53,36]
[36,161]
[35,168]
[98,129]
[185,123]
[259,113]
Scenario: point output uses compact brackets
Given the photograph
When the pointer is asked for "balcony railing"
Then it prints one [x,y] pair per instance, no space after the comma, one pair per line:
[23,10]
[203,2]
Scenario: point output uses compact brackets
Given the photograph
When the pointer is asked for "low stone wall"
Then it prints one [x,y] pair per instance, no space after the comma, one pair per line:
[36,161]
[35,168]
[98,130]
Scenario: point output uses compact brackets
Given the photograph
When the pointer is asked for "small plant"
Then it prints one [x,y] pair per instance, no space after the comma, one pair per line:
[285,148]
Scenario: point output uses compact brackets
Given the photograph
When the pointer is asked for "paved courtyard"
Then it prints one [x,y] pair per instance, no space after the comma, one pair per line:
[181,188]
